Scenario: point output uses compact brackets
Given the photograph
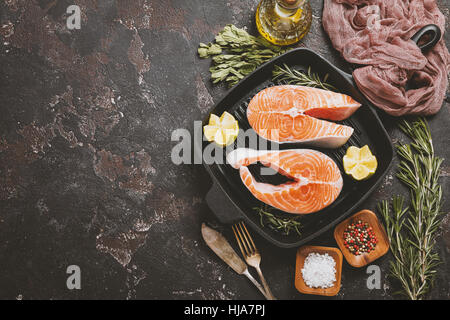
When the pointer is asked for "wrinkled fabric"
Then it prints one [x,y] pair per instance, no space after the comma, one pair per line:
[375,34]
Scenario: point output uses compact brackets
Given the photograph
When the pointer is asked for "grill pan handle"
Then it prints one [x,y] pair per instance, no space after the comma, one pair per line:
[222,207]
[431,29]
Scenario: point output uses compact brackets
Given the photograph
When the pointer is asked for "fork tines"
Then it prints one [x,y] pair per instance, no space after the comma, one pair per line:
[244,239]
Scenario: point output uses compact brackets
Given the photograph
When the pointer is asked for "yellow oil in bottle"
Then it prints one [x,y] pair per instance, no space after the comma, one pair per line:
[283,22]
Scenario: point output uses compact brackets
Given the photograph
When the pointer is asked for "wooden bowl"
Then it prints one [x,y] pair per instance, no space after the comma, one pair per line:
[300,284]
[381,248]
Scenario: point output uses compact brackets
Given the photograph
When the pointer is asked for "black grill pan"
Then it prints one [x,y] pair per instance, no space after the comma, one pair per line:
[230,200]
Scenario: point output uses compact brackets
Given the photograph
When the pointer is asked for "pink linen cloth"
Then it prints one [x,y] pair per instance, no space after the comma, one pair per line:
[376,35]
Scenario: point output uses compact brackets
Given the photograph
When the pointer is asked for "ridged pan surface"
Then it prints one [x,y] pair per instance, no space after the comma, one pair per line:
[230,200]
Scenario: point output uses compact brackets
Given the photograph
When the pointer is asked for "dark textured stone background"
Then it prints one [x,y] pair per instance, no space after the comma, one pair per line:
[85,176]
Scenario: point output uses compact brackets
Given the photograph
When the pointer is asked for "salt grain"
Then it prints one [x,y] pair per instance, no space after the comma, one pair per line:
[319,271]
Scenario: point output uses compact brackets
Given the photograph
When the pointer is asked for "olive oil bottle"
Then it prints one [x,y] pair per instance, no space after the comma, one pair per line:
[283,22]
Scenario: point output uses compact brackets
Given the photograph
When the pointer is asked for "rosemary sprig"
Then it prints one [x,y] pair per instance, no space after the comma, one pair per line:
[278,223]
[293,76]
[236,53]
[412,230]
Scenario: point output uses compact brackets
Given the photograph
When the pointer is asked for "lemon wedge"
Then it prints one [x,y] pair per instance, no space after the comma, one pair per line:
[223,130]
[210,132]
[227,120]
[360,163]
[214,120]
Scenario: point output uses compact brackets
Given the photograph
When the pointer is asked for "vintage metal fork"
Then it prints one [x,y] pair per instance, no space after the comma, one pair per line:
[250,253]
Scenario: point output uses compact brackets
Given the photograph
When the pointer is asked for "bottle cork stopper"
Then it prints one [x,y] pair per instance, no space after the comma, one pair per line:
[290,3]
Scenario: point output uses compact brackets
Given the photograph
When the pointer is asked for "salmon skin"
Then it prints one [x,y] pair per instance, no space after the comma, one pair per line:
[289,114]
[316,180]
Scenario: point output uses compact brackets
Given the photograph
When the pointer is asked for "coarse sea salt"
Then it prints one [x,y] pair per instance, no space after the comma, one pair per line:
[319,270]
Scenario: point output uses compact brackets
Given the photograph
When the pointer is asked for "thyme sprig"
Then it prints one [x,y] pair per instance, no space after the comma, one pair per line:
[277,222]
[292,76]
[412,230]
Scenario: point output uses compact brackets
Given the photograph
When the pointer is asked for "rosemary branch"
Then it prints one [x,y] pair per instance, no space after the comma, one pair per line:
[293,76]
[412,230]
[277,222]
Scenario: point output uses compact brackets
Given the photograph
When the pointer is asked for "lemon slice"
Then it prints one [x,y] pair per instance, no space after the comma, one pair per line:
[220,138]
[232,129]
[214,120]
[365,153]
[210,132]
[353,152]
[223,130]
[371,164]
[227,120]
[360,163]
[360,172]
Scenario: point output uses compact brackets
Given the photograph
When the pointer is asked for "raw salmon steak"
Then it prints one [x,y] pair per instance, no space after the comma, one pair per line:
[291,114]
[315,180]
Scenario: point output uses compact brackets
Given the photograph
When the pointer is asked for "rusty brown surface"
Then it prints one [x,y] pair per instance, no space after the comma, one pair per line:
[85,141]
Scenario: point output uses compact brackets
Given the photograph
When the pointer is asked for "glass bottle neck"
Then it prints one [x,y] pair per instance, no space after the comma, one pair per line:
[285,9]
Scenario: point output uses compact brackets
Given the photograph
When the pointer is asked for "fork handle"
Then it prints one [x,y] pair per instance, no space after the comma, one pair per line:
[256,283]
[266,286]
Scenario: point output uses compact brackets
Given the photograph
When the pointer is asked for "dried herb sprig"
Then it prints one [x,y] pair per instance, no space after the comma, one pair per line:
[293,76]
[236,53]
[278,223]
[412,230]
